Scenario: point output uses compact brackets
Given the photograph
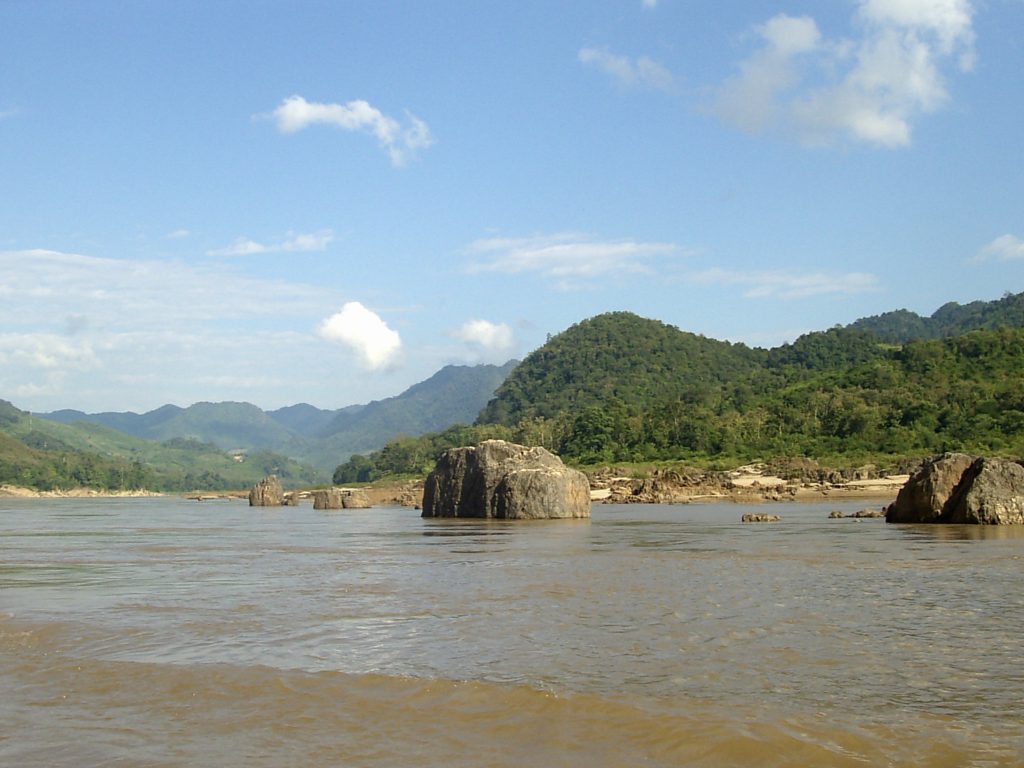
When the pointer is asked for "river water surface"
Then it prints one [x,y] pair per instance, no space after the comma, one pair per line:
[165,632]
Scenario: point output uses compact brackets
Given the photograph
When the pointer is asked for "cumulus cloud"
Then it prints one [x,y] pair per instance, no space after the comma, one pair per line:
[493,341]
[869,89]
[376,345]
[565,256]
[401,142]
[642,72]
[293,243]
[1003,248]
[783,284]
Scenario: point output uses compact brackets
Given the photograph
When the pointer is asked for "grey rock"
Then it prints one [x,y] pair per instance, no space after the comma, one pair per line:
[751,517]
[990,493]
[923,497]
[267,493]
[497,479]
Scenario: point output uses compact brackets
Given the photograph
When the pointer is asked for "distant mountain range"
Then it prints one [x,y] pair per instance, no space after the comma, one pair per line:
[318,437]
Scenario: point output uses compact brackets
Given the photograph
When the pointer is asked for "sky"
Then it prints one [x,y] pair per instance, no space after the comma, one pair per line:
[326,202]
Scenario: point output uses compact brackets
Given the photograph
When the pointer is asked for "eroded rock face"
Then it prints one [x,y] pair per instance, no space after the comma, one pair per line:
[267,493]
[990,493]
[924,495]
[497,479]
[959,489]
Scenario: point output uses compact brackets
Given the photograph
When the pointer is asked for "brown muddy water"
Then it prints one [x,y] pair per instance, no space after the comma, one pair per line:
[165,632]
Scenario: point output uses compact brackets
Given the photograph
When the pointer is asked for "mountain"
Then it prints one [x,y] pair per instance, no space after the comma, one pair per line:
[620,357]
[951,319]
[319,438]
[45,454]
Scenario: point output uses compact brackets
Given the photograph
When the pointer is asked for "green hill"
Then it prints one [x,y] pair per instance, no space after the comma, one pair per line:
[620,388]
[617,357]
[46,455]
[951,319]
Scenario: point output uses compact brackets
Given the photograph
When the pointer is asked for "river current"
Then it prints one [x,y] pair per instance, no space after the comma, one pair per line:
[166,632]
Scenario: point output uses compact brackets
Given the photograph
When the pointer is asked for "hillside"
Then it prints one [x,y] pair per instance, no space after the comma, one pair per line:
[306,435]
[617,357]
[46,455]
[951,319]
[620,388]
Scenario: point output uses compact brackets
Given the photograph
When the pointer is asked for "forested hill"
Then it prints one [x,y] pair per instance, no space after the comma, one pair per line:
[951,319]
[621,357]
[621,388]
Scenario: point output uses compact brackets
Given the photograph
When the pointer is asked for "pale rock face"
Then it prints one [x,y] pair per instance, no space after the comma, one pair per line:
[497,479]
[267,493]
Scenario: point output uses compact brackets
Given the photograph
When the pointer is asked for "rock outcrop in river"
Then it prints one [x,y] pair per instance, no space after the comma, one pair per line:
[957,488]
[497,479]
[267,493]
[340,498]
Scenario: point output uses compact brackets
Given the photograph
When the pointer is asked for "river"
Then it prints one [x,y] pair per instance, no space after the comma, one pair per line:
[167,632]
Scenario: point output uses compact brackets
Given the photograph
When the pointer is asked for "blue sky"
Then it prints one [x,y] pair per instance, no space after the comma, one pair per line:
[326,202]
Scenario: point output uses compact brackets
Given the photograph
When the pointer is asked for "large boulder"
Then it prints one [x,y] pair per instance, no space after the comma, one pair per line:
[497,479]
[991,493]
[923,497]
[267,493]
[959,489]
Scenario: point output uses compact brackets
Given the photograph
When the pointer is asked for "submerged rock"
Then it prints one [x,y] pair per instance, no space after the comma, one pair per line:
[267,493]
[752,517]
[497,479]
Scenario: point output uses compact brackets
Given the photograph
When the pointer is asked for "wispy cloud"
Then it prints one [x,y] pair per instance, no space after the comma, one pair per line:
[566,256]
[80,328]
[782,284]
[400,141]
[178,234]
[642,72]
[1004,248]
[364,332]
[292,243]
[869,89]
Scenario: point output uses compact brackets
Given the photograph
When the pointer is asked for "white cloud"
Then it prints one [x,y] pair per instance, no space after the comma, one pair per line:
[1004,248]
[178,234]
[566,256]
[642,72]
[363,331]
[650,3]
[782,284]
[400,142]
[869,89]
[494,341]
[293,243]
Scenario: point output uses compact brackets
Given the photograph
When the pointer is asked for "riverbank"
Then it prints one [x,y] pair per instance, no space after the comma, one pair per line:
[748,484]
